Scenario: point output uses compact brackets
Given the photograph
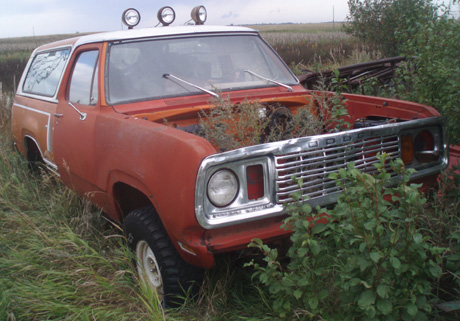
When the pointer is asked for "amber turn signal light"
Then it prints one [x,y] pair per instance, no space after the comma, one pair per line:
[407,149]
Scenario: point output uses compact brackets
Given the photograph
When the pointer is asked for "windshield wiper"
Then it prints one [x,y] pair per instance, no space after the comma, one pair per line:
[269,80]
[169,76]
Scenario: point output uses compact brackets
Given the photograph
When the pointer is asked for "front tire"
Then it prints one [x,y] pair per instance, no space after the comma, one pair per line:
[158,263]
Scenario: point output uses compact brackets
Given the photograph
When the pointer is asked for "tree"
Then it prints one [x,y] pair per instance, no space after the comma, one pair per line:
[432,75]
[387,24]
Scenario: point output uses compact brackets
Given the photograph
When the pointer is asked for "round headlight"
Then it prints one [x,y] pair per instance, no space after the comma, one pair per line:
[166,16]
[222,188]
[131,17]
[199,15]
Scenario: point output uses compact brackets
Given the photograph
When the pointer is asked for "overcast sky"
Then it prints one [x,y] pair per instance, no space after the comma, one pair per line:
[42,17]
[20,18]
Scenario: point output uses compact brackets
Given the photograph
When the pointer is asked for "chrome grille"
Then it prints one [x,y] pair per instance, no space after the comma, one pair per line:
[313,164]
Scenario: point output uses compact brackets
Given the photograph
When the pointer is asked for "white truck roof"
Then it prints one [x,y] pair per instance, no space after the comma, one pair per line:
[145,33]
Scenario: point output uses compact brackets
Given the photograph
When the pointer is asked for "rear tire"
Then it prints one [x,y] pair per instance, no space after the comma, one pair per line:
[158,263]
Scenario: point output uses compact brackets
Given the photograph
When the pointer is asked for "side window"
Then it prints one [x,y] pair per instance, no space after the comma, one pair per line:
[45,72]
[83,84]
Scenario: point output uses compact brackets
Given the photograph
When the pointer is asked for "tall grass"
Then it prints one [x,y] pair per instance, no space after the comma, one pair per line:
[314,46]
[58,258]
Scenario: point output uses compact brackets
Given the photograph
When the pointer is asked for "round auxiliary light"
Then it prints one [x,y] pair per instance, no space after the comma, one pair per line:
[131,17]
[199,15]
[222,188]
[166,16]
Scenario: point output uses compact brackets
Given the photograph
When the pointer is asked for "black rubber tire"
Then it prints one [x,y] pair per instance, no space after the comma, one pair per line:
[179,278]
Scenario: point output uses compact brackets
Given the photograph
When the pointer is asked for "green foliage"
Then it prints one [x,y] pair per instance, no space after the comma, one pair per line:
[424,33]
[432,75]
[331,103]
[387,25]
[443,227]
[366,260]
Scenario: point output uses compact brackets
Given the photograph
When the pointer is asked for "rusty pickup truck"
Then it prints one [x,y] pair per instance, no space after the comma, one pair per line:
[116,117]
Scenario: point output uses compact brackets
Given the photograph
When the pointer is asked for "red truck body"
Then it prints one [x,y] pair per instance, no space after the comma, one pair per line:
[124,155]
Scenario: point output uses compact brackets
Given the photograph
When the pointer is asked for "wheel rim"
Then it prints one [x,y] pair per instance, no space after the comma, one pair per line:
[148,269]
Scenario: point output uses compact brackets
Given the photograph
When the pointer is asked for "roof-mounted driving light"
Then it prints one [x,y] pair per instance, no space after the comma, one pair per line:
[131,17]
[166,16]
[199,15]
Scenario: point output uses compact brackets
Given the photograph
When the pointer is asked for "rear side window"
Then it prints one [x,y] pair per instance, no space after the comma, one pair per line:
[45,72]
[83,85]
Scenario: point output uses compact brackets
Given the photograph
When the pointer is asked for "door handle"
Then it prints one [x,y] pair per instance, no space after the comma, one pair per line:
[58,115]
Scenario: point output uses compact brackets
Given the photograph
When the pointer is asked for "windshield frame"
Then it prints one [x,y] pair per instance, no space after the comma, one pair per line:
[258,41]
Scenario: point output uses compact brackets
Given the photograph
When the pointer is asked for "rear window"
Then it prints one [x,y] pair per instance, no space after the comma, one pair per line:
[45,72]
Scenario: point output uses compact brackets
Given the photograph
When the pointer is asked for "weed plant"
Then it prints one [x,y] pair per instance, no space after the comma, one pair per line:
[369,258]
[228,126]
[442,225]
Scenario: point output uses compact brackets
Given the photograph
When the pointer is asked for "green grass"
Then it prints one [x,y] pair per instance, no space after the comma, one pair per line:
[59,259]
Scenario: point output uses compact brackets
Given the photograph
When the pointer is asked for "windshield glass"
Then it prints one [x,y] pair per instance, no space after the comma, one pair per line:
[142,70]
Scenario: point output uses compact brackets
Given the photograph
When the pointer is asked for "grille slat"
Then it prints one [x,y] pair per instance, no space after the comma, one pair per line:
[338,163]
[314,165]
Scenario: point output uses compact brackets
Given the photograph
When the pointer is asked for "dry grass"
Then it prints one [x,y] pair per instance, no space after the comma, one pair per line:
[299,27]
[30,43]
[229,126]
[58,258]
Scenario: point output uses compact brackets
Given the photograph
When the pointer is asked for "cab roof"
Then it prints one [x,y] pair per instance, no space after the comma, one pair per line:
[144,33]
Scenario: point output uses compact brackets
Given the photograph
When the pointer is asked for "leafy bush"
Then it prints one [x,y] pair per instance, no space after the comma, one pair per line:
[387,25]
[432,75]
[424,33]
[443,227]
[371,261]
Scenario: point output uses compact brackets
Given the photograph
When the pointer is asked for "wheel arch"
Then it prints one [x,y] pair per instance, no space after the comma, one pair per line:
[129,198]
[33,152]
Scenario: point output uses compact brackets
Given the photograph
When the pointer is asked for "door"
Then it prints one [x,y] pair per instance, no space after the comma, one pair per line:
[75,120]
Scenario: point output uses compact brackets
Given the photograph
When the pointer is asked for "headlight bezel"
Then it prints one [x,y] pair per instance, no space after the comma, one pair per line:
[242,207]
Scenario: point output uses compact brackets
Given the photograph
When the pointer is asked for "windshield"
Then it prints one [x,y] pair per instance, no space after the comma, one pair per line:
[144,70]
